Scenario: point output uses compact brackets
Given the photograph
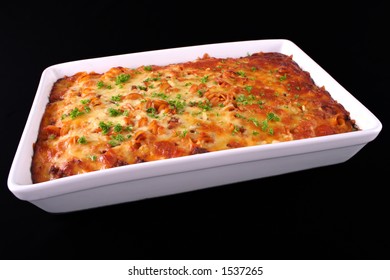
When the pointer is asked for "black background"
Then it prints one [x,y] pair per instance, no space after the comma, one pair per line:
[334,212]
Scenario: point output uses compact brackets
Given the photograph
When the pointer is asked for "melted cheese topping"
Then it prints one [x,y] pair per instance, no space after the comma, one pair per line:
[125,116]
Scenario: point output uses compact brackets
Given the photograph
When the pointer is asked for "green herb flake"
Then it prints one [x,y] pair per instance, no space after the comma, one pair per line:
[178,104]
[254,121]
[118,127]
[113,143]
[105,127]
[246,100]
[241,73]
[200,93]
[152,112]
[236,129]
[160,95]
[237,115]
[75,113]
[116,98]
[248,88]
[92,157]
[118,137]
[114,112]
[205,106]
[183,133]
[283,78]
[204,79]
[264,125]
[85,101]
[82,140]
[272,117]
[122,78]
[100,84]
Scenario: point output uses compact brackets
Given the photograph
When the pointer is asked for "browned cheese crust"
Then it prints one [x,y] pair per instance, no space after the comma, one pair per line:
[125,116]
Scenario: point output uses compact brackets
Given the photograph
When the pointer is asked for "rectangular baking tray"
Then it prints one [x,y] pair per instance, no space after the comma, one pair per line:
[178,175]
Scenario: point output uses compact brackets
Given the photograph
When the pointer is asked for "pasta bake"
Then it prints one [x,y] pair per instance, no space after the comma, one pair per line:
[125,116]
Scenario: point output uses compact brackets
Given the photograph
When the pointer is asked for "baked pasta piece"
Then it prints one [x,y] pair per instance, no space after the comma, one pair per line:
[124,116]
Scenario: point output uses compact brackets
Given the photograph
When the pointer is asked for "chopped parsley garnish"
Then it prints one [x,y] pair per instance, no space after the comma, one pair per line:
[246,100]
[113,143]
[122,78]
[92,157]
[82,140]
[148,68]
[118,137]
[75,113]
[204,79]
[205,105]
[283,78]
[116,98]
[105,127]
[254,121]
[182,134]
[248,88]
[178,104]
[264,125]
[118,127]
[236,129]
[237,115]
[160,95]
[85,101]
[116,140]
[151,112]
[114,112]
[241,73]
[152,79]
[100,84]
[272,117]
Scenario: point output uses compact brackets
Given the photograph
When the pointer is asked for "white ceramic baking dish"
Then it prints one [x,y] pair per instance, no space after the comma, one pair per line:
[177,175]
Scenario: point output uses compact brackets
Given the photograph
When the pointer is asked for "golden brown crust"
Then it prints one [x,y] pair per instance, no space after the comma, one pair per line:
[125,116]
